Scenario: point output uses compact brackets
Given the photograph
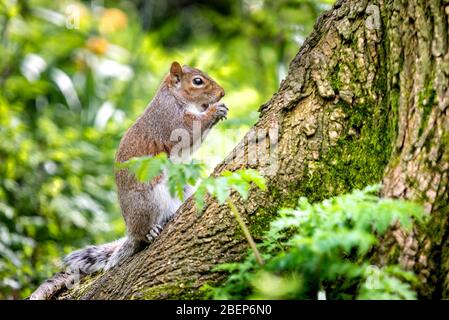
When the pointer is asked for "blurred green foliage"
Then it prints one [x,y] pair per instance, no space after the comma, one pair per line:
[321,251]
[73,77]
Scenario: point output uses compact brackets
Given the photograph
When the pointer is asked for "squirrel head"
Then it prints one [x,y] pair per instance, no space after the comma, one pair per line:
[193,86]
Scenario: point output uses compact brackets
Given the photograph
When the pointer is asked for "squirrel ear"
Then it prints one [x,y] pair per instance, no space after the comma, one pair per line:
[176,71]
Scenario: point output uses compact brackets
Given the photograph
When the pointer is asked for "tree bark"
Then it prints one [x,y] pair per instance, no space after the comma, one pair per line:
[365,101]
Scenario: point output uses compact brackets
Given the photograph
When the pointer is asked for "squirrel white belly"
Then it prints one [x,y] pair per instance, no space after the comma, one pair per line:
[186,97]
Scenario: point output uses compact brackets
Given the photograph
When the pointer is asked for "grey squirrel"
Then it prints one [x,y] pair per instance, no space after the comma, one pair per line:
[186,97]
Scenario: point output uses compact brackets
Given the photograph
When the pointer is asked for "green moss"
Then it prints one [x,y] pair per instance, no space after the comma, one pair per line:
[82,287]
[394,253]
[260,221]
[358,159]
[445,146]
[335,81]
[426,99]
[182,291]
[393,111]
[436,231]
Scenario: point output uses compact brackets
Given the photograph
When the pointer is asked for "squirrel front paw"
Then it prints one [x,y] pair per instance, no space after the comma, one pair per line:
[220,110]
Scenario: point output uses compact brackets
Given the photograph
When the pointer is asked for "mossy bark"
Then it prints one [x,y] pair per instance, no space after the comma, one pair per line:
[365,101]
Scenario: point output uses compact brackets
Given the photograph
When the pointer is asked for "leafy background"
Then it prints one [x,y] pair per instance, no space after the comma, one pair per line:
[73,77]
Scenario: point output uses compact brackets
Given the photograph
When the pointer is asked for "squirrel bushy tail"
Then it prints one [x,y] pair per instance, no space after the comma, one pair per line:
[86,261]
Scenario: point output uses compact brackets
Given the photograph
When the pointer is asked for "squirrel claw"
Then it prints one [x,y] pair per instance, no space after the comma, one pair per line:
[154,233]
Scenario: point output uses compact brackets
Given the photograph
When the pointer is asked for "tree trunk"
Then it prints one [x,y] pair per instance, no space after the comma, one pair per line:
[365,101]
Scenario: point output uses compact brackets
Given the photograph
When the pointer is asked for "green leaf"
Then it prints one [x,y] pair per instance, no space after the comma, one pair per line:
[221,190]
[200,194]
[254,176]
[242,188]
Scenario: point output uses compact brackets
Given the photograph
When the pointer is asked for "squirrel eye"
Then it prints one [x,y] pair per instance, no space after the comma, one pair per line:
[197,81]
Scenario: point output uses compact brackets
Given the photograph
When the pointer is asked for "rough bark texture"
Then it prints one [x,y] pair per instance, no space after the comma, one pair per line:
[417,68]
[366,100]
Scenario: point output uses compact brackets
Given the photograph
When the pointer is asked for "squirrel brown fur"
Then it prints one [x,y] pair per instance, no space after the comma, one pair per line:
[186,98]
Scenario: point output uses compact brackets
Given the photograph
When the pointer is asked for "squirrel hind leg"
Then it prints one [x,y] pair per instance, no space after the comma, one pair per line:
[156,230]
